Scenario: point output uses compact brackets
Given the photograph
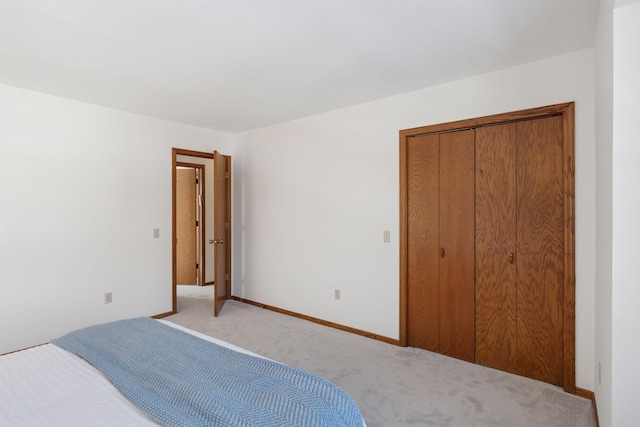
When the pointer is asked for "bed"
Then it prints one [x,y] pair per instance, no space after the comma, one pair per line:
[145,372]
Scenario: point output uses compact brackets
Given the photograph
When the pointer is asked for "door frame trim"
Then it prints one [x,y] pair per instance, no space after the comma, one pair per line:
[566,111]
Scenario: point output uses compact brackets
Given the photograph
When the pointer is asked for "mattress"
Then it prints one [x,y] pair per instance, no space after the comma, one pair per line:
[50,386]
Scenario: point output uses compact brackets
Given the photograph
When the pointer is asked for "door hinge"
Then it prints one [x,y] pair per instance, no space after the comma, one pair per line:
[226,225]
[226,277]
[226,174]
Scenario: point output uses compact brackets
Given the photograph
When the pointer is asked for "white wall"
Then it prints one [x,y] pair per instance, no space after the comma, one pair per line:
[313,196]
[604,173]
[626,205]
[81,188]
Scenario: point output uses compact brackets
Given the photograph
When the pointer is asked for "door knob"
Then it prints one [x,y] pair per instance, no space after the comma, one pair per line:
[218,241]
[211,241]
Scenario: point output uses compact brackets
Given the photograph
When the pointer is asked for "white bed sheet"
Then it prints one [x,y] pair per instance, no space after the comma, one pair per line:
[48,386]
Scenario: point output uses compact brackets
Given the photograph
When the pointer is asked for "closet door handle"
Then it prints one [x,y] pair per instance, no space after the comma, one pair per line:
[441,252]
[511,258]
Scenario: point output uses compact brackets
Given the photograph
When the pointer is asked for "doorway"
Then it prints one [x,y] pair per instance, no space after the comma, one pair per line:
[214,223]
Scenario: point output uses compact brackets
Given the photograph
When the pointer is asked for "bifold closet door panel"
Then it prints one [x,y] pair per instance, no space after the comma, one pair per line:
[457,241]
[496,246]
[540,255]
[422,252]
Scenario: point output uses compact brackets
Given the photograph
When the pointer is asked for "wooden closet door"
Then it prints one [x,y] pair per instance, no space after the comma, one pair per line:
[496,246]
[540,254]
[524,204]
[457,265]
[423,244]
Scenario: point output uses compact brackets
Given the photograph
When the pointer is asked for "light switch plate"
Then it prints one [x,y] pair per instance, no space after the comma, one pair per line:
[387,236]
[156,233]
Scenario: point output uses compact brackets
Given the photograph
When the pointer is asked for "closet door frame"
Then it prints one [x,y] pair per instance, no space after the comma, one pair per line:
[566,111]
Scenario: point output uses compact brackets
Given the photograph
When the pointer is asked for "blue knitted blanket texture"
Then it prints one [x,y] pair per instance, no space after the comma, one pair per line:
[178,379]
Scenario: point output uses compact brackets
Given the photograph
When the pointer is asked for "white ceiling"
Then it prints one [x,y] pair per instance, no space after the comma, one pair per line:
[235,65]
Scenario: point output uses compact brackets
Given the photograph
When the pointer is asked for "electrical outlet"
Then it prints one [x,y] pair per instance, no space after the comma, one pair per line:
[336,294]
[108,298]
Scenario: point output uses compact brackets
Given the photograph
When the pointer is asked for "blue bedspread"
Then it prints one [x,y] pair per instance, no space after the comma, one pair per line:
[181,380]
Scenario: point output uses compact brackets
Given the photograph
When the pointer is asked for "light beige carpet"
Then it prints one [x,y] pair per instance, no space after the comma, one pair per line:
[394,386]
